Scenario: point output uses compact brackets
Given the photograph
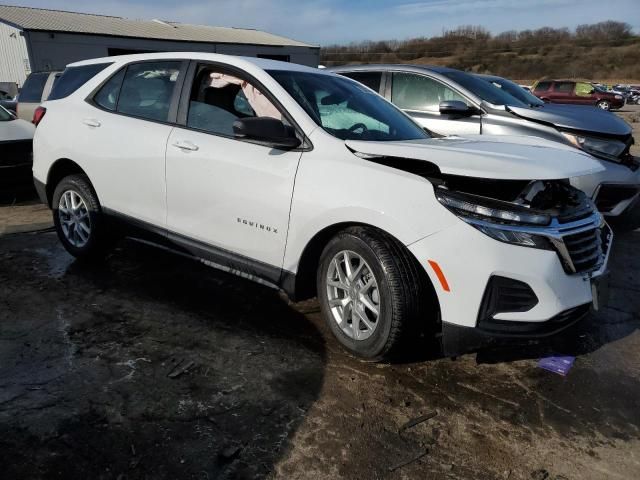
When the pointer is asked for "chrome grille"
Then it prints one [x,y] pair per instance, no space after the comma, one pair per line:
[585,249]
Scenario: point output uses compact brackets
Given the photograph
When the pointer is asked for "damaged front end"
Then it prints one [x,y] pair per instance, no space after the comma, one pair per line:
[545,214]
[549,215]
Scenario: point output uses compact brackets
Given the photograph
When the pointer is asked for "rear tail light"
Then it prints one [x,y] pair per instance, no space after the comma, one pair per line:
[38,115]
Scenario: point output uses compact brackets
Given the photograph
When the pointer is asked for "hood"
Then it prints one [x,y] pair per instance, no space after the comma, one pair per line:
[16,130]
[575,117]
[485,156]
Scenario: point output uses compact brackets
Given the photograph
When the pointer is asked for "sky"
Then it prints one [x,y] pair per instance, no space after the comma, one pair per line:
[324,22]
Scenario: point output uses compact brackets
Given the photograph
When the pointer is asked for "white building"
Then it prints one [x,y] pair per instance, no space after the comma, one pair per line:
[33,39]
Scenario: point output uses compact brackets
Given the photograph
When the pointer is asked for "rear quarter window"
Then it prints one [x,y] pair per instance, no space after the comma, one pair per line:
[73,78]
[32,89]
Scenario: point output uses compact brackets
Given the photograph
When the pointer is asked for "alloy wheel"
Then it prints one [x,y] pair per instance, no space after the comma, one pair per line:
[604,105]
[74,218]
[353,294]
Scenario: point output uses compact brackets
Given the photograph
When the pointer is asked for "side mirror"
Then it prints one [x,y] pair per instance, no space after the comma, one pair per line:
[266,130]
[456,107]
[592,91]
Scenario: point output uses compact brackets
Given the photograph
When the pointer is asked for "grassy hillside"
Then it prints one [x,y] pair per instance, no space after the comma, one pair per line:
[605,51]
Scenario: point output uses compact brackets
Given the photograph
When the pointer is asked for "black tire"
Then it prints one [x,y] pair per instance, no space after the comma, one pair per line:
[406,296]
[99,240]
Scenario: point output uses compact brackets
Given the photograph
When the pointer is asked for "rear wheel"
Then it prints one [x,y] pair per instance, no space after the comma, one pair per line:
[371,292]
[604,105]
[78,218]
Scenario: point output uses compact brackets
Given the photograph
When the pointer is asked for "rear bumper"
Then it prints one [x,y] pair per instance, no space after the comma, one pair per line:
[15,178]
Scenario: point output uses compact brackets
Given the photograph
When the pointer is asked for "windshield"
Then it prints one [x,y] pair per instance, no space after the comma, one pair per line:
[515,90]
[483,89]
[5,116]
[346,109]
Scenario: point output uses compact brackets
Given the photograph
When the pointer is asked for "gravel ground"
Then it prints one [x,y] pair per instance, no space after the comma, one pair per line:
[153,366]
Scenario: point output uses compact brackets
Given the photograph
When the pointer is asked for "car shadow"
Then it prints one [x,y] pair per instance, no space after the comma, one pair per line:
[149,365]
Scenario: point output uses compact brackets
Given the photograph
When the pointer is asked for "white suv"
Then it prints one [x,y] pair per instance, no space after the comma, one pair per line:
[310,182]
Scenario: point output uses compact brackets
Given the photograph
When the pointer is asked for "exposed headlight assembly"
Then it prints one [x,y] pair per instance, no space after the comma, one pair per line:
[601,147]
[501,222]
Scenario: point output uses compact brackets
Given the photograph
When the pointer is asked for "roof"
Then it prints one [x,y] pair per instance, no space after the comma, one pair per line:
[392,67]
[37,19]
[239,61]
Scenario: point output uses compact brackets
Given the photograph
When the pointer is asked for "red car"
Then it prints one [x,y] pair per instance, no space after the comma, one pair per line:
[576,93]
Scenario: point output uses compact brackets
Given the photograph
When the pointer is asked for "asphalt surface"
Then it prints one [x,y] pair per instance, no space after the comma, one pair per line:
[154,366]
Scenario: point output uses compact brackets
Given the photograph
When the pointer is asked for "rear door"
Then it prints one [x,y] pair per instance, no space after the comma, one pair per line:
[228,199]
[124,130]
[420,96]
[563,92]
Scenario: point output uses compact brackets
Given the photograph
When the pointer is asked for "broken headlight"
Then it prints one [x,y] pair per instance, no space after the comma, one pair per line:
[600,147]
[505,223]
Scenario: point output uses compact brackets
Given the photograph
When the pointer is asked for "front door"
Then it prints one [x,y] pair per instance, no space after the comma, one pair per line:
[420,96]
[228,195]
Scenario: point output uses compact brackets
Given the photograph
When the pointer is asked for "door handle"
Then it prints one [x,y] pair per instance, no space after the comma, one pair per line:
[91,122]
[186,145]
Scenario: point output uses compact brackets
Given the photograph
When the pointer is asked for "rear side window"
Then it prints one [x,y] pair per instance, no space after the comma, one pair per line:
[147,89]
[32,89]
[73,78]
[564,87]
[370,79]
[542,87]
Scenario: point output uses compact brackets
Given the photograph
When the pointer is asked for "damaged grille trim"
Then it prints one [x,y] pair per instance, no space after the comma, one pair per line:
[568,249]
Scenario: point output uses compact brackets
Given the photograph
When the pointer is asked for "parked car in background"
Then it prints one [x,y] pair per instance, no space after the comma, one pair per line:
[200,152]
[577,93]
[36,89]
[451,102]
[15,154]
[8,101]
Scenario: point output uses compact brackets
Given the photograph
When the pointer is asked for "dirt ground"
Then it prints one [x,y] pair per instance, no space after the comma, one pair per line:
[153,366]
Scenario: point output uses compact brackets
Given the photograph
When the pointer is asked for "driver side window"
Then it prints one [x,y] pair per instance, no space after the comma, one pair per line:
[411,91]
[218,99]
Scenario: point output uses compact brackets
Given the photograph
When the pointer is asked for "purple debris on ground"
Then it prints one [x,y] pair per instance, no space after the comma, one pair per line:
[558,364]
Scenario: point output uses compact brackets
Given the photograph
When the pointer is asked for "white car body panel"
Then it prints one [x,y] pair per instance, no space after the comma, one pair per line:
[493,157]
[233,195]
[201,194]
[16,129]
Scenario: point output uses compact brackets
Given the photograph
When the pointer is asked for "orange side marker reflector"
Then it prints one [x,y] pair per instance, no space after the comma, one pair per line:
[440,275]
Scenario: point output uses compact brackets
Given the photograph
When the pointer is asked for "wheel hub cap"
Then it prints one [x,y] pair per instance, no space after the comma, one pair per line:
[352,291]
[74,218]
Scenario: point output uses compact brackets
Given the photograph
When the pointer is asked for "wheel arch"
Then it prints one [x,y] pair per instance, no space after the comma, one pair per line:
[61,168]
[302,285]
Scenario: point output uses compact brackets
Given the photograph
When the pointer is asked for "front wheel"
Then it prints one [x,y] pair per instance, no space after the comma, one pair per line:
[604,105]
[371,292]
[78,218]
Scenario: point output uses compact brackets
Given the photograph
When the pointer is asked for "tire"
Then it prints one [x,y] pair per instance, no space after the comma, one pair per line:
[604,105]
[78,219]
[403,294]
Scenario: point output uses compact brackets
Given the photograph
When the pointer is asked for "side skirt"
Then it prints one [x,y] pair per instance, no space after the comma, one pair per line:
[215,257]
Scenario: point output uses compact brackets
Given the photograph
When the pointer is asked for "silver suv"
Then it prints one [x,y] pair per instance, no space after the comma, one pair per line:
[447,101]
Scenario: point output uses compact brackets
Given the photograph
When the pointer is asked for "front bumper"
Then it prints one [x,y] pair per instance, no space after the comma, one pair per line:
[469,259]
[615,190]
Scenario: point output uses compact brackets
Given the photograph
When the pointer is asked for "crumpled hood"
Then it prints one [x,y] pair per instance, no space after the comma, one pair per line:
[576,117]
[499,157]
[16,130]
